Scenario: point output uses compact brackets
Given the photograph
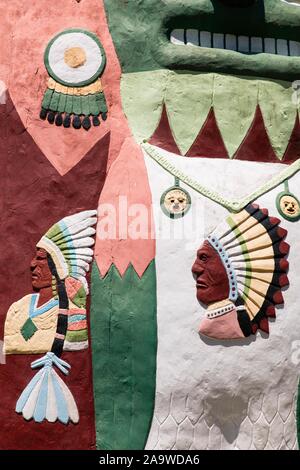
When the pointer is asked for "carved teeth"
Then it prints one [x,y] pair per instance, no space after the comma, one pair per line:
[294,48]
[218,41]
[282,47]
[192,37]
[205,39]
[231,42]
[177,36]
[270,45]
[257,45]
[243,44]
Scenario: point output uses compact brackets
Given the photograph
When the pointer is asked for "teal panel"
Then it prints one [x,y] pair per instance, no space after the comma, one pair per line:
[124,345]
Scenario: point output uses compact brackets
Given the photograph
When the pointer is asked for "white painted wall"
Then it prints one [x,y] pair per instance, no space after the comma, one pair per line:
[212,395]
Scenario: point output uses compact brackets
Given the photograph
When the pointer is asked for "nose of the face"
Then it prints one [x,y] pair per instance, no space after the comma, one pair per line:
[238,3]
[33,264]
[196,269]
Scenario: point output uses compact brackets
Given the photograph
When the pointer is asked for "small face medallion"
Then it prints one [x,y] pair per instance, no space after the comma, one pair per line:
[288,206]
[175,202]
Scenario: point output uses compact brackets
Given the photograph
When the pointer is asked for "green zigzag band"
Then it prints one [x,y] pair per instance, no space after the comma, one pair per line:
[124,345]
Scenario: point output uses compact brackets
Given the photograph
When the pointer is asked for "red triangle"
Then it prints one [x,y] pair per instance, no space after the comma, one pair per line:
[292,152]
[209,142]
[163,136]
[256,146]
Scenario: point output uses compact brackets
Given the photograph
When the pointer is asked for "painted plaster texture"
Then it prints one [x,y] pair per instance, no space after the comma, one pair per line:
[200,385]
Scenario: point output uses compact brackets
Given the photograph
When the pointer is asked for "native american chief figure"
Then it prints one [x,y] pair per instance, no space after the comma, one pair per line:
[240,271]
[53,318]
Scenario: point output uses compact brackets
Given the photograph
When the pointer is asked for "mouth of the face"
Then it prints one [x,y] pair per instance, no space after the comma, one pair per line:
[241,44]
[261,40]
[200,284]
[177,208]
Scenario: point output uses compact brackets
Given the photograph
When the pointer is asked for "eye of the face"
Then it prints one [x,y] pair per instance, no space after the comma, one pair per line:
[203,257]
[41,255]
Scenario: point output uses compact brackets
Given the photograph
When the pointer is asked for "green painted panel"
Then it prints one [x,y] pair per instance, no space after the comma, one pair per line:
[93,105]
[142,96]
[85,107]
[234,102]
[189,96]
[279,112]
[124,344]
[141,29]
[47,98]
[188,99]
[101,101]
[62,103]
[77,105]
[54,101]
[69,104]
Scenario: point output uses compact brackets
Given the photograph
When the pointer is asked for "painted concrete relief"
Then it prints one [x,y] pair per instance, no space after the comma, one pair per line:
[53,319]
[74,60]
[179,122]
[239,272]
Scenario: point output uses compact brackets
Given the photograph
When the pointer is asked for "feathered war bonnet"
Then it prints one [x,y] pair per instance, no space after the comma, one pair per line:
[69,243]
[253,251]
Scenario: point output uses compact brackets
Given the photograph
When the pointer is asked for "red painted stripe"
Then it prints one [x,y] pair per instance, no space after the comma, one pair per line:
[77,311]
[80,325]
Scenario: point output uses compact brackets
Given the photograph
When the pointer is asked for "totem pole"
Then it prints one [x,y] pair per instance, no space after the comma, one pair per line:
[150,207]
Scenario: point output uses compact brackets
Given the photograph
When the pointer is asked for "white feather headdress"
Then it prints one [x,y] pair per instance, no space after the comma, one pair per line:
[69,243]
